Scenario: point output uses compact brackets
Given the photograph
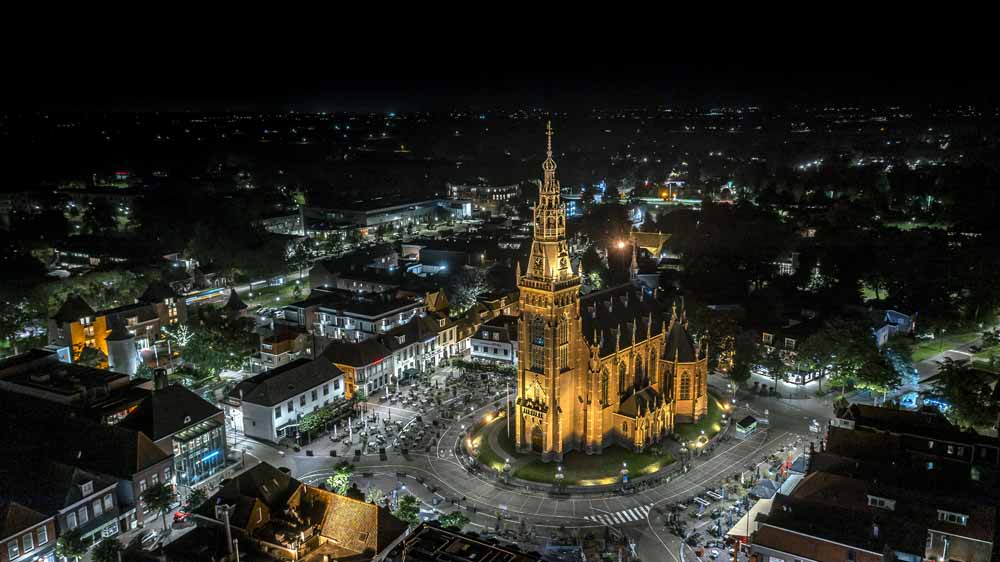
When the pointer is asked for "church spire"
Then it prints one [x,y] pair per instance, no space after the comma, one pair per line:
[549,184]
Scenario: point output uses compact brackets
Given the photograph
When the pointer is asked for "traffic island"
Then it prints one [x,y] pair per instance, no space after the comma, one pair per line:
[495,449]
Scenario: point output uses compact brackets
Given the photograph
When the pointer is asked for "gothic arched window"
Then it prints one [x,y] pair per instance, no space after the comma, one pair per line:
[604,386]
[639,380]
[622,372]
[538,344]
[562,336]
[685,386]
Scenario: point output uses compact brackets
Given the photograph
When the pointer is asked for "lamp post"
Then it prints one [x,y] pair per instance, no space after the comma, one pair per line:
[559,477]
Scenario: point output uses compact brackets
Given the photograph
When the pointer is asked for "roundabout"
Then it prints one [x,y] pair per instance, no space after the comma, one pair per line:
[446,479]
[493,449]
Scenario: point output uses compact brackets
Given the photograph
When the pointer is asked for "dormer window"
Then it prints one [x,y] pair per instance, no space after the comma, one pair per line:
[952,517]
[882,503]
[789,343]
[87,488]
[768,338]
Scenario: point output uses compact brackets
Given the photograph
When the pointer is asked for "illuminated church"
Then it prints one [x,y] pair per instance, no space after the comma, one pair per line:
[612,367]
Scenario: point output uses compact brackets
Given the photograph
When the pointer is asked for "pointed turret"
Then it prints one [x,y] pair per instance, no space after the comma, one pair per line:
[633,270]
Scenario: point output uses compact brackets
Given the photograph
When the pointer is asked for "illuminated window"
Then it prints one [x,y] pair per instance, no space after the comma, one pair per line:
[538,344]
[604,386]
[622,372]
[685,386]
[952,517]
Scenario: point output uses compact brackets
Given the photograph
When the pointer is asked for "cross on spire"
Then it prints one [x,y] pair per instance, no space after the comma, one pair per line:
[548,133]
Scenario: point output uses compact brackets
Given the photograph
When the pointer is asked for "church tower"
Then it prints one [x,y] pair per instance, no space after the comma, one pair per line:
[549,331]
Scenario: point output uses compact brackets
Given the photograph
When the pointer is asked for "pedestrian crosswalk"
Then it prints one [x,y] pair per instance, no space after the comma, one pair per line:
[623,516]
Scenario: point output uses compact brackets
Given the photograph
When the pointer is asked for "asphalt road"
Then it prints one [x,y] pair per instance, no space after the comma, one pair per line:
[444,485]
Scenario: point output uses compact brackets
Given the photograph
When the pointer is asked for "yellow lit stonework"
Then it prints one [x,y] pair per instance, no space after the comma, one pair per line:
[607,368]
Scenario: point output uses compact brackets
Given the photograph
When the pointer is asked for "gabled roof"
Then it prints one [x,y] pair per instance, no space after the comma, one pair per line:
[15,518]
[235,303]
[167,411]
[108,449]
[359,526]
[158,291]
[357,354]
[73,310]
[287,381]
[681,344]
[418,329]
[48,486]
[263,483]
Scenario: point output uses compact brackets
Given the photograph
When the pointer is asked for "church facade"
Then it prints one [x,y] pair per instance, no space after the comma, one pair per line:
[612,367]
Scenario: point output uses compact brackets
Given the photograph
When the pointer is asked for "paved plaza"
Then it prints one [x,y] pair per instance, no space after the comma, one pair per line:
[437,475]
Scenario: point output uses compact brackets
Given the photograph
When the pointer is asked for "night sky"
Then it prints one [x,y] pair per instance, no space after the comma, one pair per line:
[228,81]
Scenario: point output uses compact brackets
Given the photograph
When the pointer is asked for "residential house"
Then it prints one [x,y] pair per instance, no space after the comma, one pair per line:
[284,345]
[180,422]
[136,326]
[26,535]
[888,323]
[289,520]
[888,485]
[414,346]
[74,498]
[268,406]
[341,315]
[786,340]
[496,341]
[367,366]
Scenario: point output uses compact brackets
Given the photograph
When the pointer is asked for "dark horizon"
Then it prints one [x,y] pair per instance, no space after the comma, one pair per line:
[437,89]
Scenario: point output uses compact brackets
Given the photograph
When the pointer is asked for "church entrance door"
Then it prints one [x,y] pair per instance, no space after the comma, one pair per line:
[537,439]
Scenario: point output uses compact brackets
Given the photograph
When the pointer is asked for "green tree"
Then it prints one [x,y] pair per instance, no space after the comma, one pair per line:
[160,498]
[967,392]
[195,499]
[99,217]
[108,550]
[744,358]
[408,510]
[315,421]
[773,364]
[90,356]
[340,480]
[71,545]
[455,520]
[593,266]
[374,494]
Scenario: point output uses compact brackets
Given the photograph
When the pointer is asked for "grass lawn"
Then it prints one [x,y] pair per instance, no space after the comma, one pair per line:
[274,297]
[579,468]
[925,349]
[488,456]
[589,470]
[712,423]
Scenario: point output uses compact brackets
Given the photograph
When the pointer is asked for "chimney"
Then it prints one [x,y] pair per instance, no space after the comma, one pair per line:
[159,379]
